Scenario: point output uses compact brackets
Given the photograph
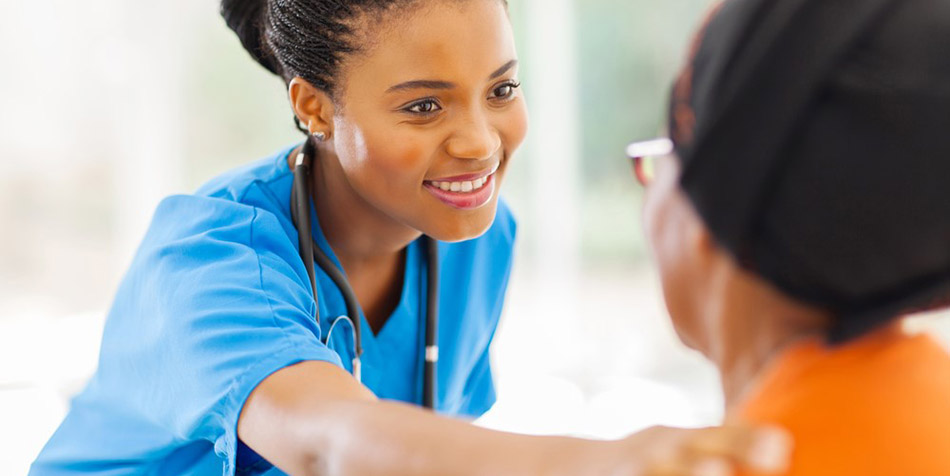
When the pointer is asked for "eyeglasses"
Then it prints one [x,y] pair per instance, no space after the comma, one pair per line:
[644,153]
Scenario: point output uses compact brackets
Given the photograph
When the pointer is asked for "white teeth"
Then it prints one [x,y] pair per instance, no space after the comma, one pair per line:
[463,187]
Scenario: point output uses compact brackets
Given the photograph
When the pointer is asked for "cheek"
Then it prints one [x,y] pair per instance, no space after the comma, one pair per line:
[673,262]
[400,159]
[380,156]
[654,224]
[514,126]
[678,293]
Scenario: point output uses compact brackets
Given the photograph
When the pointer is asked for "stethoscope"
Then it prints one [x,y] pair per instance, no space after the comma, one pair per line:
[310,253]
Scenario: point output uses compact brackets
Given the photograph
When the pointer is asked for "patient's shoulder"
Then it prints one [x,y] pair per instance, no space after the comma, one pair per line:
[877,406]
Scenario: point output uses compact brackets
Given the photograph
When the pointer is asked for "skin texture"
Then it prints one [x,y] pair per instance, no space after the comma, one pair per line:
[313,418]
[736,319]
[384,143]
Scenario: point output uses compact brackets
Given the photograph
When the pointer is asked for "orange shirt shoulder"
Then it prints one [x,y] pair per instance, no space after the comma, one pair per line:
[878,406]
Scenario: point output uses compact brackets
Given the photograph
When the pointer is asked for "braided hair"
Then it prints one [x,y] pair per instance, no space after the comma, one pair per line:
[305,38]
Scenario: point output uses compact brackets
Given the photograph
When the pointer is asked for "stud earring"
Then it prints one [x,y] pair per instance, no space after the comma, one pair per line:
[320,136]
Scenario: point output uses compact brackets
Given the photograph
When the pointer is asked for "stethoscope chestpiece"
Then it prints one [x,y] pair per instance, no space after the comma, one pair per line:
[357,365]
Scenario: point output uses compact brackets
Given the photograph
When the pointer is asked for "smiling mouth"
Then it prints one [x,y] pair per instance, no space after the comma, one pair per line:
[455,185]
[461,187]
[464,192]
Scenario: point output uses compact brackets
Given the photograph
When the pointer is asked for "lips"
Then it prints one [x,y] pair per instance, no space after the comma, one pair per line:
[464,191]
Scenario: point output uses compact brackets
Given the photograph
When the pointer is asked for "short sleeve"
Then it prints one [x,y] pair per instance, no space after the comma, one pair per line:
[215,301]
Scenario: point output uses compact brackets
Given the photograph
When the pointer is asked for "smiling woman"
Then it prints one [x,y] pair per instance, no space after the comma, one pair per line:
[417,109]
[223,349]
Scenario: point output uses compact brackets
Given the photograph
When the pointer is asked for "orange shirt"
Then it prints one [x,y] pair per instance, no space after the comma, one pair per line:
[878,406]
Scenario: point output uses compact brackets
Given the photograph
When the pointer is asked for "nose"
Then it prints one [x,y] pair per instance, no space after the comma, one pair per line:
[475,138]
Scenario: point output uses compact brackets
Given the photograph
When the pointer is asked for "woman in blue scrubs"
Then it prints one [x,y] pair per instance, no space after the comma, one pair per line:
[212,361]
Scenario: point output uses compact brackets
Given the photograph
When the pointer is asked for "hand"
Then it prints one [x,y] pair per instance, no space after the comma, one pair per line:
[720,451]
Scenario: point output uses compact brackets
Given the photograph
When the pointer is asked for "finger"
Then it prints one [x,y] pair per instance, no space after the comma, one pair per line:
[708,467]
[764,449]
[713,467]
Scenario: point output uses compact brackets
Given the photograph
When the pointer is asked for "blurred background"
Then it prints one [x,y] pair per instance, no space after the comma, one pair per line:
[107,106]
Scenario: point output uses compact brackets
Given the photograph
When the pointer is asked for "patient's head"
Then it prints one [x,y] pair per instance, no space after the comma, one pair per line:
[713,301]
[808,183]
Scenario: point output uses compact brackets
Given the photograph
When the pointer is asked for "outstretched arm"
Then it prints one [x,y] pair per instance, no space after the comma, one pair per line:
[313,418]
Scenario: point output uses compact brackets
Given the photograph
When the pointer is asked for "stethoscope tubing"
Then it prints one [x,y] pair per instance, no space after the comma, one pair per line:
[432,325]
[310,253]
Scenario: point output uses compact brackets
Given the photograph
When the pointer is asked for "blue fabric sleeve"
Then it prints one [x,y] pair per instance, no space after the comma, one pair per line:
[224,297]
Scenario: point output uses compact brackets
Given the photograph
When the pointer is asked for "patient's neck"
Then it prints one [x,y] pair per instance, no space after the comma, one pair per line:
[750,325]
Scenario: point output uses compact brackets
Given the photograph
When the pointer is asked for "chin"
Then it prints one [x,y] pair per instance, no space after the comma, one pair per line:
[462,226]
[686,339]
[694,336]
[684,324]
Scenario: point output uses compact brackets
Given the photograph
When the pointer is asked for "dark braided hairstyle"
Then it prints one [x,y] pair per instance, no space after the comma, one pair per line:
[305,38]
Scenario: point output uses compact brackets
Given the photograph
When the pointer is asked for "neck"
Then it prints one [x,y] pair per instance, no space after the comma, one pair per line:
[361,235]
[742,358]
[749,330]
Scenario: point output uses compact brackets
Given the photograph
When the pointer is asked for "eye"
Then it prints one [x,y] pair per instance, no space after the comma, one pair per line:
[505,91]
[423,108]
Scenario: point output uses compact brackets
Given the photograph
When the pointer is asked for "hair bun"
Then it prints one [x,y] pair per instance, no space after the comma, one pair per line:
[246,17]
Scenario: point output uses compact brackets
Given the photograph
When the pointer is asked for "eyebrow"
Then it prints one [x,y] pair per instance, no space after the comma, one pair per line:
[431,84]
[504,69]
[421,84]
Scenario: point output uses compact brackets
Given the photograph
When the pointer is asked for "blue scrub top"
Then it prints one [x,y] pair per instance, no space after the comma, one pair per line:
[217,298]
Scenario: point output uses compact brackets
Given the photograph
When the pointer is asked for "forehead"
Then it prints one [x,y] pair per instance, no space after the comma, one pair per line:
[441,40]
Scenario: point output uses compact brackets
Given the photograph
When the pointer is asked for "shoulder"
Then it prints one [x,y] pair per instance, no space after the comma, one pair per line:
[190,219]
[215,264]
[198,247]
[865,412]
[236,184]
[238,222]
[239,206]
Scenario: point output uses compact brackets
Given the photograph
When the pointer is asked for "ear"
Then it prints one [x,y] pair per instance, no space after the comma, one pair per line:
[313,107]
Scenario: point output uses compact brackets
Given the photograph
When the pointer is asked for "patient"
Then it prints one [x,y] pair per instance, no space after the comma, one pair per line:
[800,210]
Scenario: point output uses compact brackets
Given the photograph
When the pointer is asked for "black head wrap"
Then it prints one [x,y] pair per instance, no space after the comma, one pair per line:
[815,142]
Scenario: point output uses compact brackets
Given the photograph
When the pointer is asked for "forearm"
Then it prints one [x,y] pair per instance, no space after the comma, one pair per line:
[314,419]
[383,438]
